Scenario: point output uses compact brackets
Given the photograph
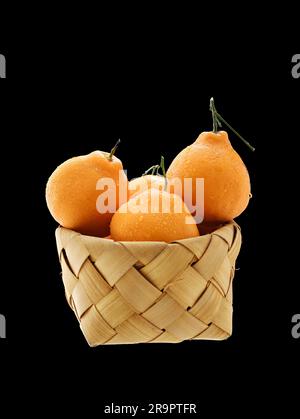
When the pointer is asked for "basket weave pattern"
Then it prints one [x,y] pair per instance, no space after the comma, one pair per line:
[132,292]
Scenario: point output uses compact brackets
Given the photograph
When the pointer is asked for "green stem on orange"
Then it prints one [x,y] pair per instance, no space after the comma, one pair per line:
[155,170]
[217,118]
[152,169]
[163,169]
[113,150]
[216,122]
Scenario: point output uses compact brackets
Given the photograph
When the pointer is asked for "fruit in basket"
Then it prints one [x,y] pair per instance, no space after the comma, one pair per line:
[153,215]
[72,194]
[226,178]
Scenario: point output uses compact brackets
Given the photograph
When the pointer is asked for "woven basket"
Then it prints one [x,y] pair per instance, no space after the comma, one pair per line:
[132,292]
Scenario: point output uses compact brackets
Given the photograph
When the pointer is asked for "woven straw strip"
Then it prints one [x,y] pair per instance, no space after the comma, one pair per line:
[132,292]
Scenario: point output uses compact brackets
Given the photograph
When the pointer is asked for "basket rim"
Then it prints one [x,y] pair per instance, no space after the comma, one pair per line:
[231,224]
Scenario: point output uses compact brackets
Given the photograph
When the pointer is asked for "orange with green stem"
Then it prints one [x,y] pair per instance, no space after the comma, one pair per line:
[226,180]
[72,194]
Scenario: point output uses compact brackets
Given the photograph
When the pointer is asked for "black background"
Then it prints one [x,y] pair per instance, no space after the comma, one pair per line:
[148,83]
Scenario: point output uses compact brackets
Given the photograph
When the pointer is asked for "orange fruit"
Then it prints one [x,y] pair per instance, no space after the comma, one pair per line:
[153,215]
[226,179]
[71,192]
[144,183]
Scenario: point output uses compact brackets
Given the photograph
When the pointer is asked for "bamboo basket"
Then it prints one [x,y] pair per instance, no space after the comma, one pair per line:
[133,292]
